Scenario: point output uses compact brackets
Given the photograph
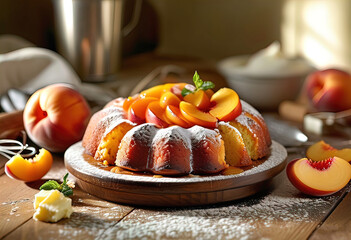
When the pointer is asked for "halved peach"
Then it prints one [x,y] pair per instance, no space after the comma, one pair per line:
[169,98]
[226,103]
[29,169]
[156,114]
[137,110]
[322,150]
[319,178]
[195,116]
[175,116]
[199,99]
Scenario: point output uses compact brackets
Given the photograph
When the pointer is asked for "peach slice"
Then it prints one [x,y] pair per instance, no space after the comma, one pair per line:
[29,169]
[155,92]
[156,114]
[209,93]
[175,116]
[127,102]
[177,89]
[226,103]
[319,178]
[195,116]
[321,150]
[199,99]
[169,98]
[137,109]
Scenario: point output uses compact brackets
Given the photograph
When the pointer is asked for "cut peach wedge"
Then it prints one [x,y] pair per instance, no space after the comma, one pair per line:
[137,110]
[321,150]
[155,92]
[226,103]
[174,115]
[196,116]
[169,98]
[29,169]
[319,178]
[199,99]
[156,114]
[127,102]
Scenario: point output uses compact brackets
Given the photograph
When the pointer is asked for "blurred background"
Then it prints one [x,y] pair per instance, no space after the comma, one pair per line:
[316,30]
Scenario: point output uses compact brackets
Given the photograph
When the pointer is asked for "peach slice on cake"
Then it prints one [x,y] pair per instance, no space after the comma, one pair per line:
[199,99]
[137,110]
[156,114]
[319,178]
[169,98]
[321,150]
[196,116]
[226,103]
[175,116]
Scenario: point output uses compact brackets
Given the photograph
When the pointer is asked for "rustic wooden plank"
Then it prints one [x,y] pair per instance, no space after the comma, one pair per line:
[90,219]
[337,225]
[281,213]
[90,215]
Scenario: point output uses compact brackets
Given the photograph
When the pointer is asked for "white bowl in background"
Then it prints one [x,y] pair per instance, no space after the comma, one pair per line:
[263,91]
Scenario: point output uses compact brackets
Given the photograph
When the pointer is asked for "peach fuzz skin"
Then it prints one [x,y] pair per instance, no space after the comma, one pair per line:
[311,176]
[56,116]
[329,90]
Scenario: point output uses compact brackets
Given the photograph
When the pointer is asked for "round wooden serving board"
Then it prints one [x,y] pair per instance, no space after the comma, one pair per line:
[172,191]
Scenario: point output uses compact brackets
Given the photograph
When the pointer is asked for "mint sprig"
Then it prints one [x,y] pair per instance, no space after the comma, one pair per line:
[199,85]
[53,185]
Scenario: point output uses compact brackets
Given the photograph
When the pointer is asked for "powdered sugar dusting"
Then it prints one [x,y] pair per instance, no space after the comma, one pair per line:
[250,218]
[250,109]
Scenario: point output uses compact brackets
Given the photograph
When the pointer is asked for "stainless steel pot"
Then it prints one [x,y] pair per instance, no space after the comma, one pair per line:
[89,35]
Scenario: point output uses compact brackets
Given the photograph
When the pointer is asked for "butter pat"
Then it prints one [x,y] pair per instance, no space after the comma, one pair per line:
[51,206]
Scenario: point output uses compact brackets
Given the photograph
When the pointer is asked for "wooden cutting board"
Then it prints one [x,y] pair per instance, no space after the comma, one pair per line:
[171,191]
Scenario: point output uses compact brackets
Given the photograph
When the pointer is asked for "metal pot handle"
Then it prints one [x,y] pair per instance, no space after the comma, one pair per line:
[135,18]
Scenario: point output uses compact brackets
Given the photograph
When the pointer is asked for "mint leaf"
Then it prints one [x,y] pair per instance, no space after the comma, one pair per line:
[207,85]
[66,190]
[186,91]
[50,185]
[197,80]
[53,185]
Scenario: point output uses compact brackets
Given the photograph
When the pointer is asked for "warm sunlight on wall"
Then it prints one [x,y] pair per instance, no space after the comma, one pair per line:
[319,30]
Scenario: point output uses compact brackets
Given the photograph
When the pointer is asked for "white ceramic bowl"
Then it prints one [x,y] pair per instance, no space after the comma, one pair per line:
[264,92]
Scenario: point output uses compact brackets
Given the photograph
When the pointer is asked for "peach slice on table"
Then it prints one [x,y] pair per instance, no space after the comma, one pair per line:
[226,103]
[137,110]
[156,114]
[175,116]
[199,99]
[319,178]
[169,98]
[196,116]
[29,169]
[322,150]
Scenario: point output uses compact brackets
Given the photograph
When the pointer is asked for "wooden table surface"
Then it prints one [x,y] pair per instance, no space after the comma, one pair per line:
[282,212]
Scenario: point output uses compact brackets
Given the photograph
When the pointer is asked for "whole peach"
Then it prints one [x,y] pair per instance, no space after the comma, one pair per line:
[56,116]
[329,90]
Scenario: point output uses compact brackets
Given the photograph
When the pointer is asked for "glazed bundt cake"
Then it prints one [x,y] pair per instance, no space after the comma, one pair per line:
[167,148]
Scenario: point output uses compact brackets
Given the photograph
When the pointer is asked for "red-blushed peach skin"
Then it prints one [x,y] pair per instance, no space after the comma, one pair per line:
[329,90]
[56,116]
[335,176]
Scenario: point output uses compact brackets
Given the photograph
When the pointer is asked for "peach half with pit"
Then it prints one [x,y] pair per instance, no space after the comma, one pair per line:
[322,150]
[319,178]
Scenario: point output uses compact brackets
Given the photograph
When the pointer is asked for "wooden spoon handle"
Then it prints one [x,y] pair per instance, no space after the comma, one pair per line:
[11,124]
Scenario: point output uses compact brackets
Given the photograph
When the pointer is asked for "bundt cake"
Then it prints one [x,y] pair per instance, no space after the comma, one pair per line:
[169,149]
